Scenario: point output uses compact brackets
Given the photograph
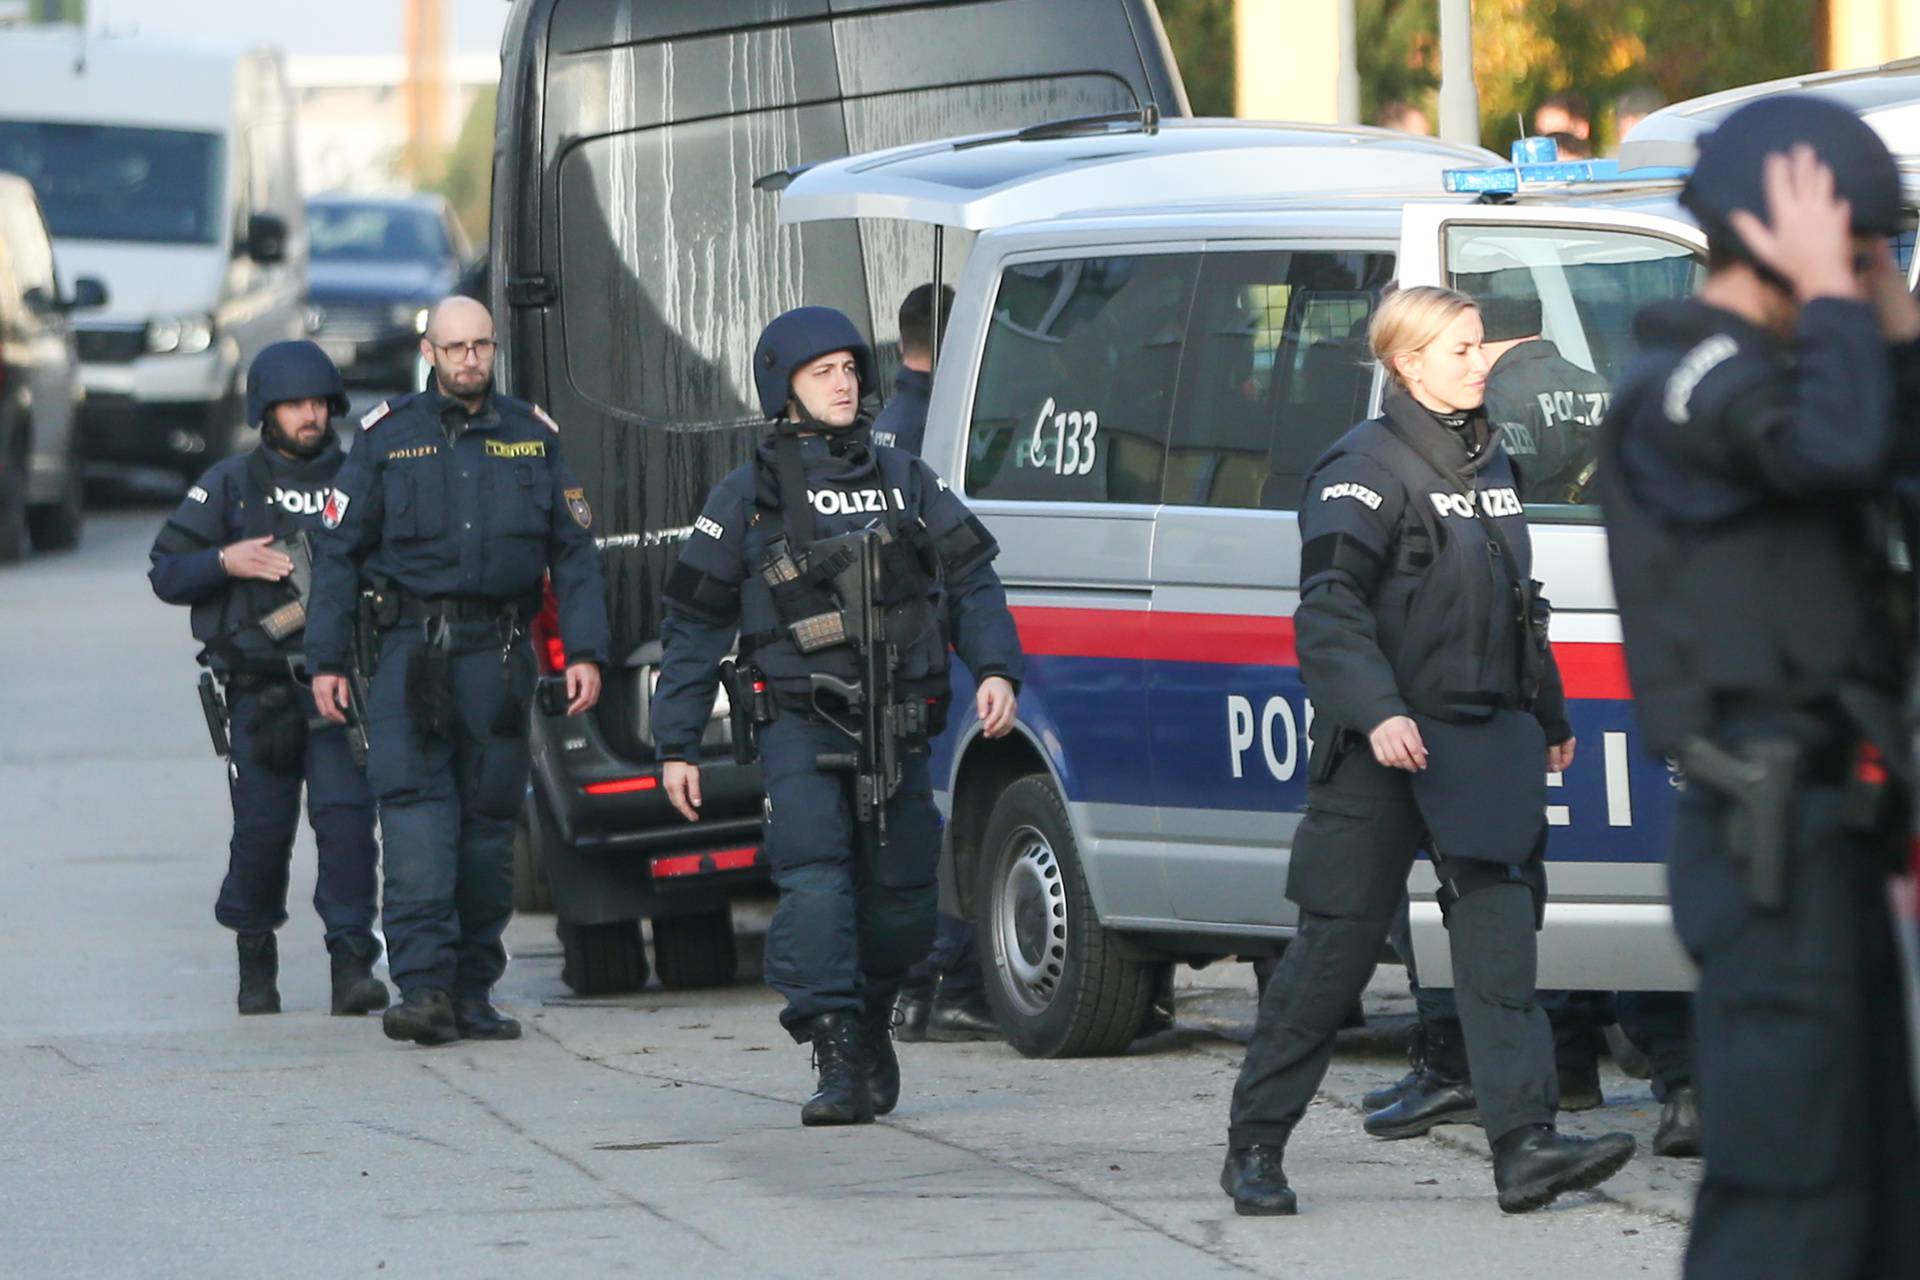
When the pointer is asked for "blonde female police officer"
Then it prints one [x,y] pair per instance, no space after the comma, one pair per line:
[1422,643]
[855,914]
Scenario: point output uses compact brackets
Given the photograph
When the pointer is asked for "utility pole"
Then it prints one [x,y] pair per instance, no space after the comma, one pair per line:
[425,90]
[1459,99]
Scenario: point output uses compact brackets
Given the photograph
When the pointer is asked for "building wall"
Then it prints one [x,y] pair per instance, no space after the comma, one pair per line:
[1863,33]
[351,115]
[1287,60]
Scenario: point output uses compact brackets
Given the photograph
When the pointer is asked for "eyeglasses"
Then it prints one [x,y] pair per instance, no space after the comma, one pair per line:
[459,351]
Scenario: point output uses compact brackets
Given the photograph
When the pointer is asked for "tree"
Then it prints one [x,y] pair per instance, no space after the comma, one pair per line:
[463,173]
[1201,33]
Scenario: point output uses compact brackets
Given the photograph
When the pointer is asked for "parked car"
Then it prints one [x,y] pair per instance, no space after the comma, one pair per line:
[376,264]
[40,392]
[1131,395]
[168,174]
[634,262]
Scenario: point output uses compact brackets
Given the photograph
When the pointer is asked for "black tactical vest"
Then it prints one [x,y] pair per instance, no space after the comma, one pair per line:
[278,497]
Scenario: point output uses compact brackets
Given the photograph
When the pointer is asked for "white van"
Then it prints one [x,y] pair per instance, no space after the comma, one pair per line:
[168,174]
[1141,369]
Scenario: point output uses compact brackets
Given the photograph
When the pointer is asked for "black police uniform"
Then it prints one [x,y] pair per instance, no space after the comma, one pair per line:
[1745,483]
[1547,408]
[853,916]
[272,750]
[1416,600]
[452,518]
[902,421]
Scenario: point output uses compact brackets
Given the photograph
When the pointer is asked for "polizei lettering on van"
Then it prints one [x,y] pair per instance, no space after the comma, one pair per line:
[1498,502]
[852,502]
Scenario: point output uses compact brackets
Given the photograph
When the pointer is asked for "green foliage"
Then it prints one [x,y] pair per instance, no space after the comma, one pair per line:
[1201,33]
[464,172]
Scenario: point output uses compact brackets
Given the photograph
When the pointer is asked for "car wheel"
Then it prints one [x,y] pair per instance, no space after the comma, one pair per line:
[56,526]
[1056,978]
[602,959]
[14,535]
[531,891]
[696,950]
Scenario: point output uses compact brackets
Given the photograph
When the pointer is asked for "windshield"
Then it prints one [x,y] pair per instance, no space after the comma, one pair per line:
[108,182]
[375,233]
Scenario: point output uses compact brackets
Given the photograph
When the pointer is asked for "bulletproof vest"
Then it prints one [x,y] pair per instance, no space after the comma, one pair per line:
[1452,608]
[846,487]
[278,497]
[1785,605]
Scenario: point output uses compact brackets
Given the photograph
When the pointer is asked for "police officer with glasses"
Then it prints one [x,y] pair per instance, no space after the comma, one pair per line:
[1422,642]
[854,847]
[1757,476]
[229,553]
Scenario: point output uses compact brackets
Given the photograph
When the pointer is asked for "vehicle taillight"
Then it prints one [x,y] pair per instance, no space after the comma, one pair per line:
[620,786]
[694,864]
[547,644]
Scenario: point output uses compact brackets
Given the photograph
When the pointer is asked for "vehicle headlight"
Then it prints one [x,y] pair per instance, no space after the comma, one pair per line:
[420,320]
[401,313]
[187,335]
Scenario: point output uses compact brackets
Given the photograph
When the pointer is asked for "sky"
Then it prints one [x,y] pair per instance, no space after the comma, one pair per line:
[297,26]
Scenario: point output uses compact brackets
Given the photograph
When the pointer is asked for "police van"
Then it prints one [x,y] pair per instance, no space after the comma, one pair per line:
[1139,373]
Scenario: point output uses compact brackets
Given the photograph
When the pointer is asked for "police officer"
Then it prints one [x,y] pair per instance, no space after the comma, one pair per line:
[223,553]
[1749,473]
[1422,642]
[451,506]
[902,421]
[1545,405]
[855,911]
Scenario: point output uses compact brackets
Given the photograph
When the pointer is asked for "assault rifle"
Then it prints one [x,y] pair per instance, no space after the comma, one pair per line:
[366,644]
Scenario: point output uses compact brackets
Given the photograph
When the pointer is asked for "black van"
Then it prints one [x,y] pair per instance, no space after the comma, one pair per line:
[633,265]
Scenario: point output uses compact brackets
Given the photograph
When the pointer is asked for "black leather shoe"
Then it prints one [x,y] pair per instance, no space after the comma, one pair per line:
[1580,1086]
[965,1016]
[1534,1166]
[424,1016]
[844,1094]
[910,1017]
[259,970]
[476,1019]
[1386,1095]
[1255,1180]
[883,1064]
[1679,1131]
[355,989]
[1433,1100]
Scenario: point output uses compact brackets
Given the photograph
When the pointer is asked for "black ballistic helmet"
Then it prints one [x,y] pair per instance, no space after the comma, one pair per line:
[1731,172]
[793,339]
[292,371]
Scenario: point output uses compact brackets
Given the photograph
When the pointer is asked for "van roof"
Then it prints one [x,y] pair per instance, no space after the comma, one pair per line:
[1887,97]
[1111,162]
[51,74]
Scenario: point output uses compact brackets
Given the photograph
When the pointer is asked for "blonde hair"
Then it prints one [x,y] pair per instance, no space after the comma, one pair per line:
[1409,319]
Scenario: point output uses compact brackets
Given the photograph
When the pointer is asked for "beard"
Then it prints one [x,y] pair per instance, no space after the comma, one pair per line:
[291,444]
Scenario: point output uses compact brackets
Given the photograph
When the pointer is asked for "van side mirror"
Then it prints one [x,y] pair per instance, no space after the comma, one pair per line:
[87,294]
[266,238]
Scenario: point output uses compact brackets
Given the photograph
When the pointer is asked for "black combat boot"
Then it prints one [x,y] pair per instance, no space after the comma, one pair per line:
[910,1017]
[355,989]
[1534,1165]
[844,1095]
[1439,1092]
[963,1015]
[259,969]
[424,1016]
[883,1064]
[477,1019]
[1385,1096]
[1255,1180]
[1679,1131]
[1580,1086]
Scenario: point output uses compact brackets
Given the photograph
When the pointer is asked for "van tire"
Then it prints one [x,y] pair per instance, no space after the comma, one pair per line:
[696,950]
[602,959]
[14,535]
[56,526]
[531,892]
[1056,978]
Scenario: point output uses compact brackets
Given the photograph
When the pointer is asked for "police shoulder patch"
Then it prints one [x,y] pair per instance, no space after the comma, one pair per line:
[336,509]
[712,528]
[578,508]
[372,416]
[1687,375]
[1358,492]
[197,494]
[542,414]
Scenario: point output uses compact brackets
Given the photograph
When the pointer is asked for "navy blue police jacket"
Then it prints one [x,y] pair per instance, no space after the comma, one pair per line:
[1547,408]
[446,504]
[1407,596]
[717,592]
[1751,486]
[224,506]
[902,422]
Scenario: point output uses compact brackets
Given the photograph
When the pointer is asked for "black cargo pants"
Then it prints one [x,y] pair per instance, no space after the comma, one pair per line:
[1807,1108]
[1351,856]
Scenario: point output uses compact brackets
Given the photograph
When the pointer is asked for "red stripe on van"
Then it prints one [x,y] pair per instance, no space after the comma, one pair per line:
[1142,635]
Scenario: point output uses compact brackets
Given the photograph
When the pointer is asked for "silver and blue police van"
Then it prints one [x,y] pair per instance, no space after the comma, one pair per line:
[1150,346]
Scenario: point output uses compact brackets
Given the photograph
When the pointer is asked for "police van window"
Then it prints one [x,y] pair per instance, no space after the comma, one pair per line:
[1559,304]
[1077,379]
[671,262]
[1275,370]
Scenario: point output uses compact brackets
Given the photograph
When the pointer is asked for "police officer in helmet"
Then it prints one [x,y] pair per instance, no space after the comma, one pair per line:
[1751,476]
[226,553]
[451,507]
[1422,642]
[856,906]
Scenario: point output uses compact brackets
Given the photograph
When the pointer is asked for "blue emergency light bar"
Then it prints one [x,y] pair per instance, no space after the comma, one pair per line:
[1537,162]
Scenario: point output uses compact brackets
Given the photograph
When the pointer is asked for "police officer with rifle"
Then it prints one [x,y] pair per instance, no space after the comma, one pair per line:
[1756,472]
[235,552]
[844,568]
